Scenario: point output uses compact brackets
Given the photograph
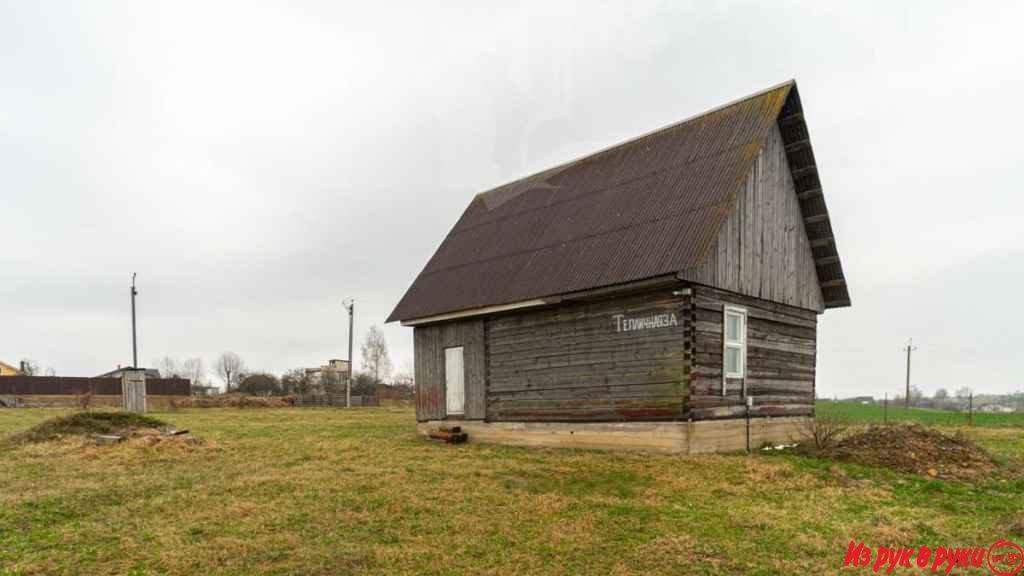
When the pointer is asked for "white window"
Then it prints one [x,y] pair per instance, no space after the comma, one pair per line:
[734,339]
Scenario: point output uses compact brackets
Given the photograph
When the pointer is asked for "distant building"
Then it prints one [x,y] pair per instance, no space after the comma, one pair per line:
[204,390]
[150,372]
[861,399]
[8,370]
[996,409]
[334,367]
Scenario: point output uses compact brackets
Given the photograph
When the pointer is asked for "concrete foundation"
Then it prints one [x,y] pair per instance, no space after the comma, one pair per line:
[664,437]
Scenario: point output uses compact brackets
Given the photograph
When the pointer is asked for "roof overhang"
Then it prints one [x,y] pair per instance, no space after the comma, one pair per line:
[817,223]
[482,311]
[591,294]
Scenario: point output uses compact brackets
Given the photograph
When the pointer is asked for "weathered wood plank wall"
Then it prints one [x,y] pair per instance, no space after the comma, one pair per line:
[569,363]
[762,249]
[72,386]
[608,360]
[430,342]
[781,355]
[133,391]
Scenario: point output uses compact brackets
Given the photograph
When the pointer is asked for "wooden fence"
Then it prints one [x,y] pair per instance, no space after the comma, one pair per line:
[334,400]
[75,386]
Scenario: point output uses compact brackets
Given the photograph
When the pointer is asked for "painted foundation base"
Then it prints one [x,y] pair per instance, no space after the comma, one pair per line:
[665,437]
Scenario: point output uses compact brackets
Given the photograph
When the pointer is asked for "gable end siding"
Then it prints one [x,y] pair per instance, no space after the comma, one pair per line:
[762,249]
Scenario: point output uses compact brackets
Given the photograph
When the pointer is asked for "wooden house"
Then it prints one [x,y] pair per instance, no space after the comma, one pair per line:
[661,294]
[8,370]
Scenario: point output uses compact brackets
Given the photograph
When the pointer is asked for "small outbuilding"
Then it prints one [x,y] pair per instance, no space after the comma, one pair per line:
[661,294]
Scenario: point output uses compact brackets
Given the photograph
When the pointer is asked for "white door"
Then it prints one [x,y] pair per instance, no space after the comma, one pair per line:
[455,381]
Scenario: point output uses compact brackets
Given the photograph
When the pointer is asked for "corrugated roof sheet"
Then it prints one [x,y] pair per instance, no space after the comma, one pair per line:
[648,207]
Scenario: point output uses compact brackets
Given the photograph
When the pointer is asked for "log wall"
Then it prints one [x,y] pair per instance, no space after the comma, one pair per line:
[781,357]
[616,359]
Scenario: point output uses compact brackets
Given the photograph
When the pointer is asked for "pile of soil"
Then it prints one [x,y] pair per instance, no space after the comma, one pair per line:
[161,438]
[915,449]
[235,401]
[87,424]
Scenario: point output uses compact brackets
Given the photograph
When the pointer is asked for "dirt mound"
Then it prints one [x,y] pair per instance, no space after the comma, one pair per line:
[915,449]
[86,424]
[162,438]
[235,401]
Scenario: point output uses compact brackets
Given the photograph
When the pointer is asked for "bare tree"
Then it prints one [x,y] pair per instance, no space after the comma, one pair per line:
[193,369]
[29,367]
[406,376]
[941,394]
[229,368]
[404,379]
[169,367]
[296,381]
[376,360]
[915,395]
[963,392]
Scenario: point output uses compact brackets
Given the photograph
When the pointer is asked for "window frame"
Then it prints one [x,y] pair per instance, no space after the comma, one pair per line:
[740,344]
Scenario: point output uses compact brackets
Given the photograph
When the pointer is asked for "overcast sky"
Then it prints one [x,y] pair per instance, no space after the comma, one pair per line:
[258,162]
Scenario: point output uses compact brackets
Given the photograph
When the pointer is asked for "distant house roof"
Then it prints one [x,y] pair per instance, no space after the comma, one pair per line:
[646,208]
[150,373]
[7,367]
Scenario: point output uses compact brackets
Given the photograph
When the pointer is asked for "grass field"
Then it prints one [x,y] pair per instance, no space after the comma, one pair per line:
[897,413]
[326,491]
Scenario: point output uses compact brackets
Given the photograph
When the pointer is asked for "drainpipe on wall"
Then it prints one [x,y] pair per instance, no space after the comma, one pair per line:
[750,402]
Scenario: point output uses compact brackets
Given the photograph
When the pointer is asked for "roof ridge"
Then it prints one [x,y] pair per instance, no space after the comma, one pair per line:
[788,83]
[647,175]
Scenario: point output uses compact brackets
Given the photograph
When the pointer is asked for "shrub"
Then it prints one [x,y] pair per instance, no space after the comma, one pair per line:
[824,430]
[84,401]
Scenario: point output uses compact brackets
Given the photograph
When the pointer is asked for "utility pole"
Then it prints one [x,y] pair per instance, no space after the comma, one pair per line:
[350,305]
[135,349]
[909,348]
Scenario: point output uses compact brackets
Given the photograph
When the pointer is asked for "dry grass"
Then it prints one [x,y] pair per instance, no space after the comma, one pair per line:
[329,491]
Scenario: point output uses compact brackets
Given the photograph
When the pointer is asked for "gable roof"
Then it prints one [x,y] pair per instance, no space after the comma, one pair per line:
[118,372]
[649,207]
